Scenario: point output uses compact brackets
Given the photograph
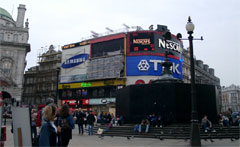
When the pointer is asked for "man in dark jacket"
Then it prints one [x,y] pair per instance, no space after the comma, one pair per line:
[90,122]
[80,121]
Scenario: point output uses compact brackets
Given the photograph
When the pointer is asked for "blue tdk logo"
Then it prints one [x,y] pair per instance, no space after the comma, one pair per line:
[75,60]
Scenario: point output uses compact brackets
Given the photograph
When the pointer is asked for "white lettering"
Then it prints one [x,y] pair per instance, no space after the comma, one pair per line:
[162,43]
[168,44]
[175,68]
[155,63]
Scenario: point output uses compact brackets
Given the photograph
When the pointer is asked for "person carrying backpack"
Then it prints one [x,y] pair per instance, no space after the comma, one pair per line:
[65,125]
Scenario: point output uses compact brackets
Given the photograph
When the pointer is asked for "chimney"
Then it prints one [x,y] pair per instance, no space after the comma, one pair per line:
[20,16]
[162,28]
[211,71]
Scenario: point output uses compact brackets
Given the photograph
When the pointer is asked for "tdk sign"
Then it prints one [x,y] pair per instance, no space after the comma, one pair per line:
[151,66]
[75,60]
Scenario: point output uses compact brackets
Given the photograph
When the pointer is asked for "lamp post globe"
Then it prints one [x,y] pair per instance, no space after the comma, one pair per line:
[190,26]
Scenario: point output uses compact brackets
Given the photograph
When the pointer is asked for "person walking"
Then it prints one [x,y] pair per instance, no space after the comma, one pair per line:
[48,133]
[65,125]
[90,122]
[80,121]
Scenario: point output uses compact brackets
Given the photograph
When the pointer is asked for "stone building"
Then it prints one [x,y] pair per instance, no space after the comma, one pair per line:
[14,47]
[203,74]
[40,81]
[231,98]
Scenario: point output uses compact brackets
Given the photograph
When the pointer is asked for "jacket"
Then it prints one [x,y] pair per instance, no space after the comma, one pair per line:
[48,135]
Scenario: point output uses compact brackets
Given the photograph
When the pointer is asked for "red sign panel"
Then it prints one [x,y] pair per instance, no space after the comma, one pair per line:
[73,102]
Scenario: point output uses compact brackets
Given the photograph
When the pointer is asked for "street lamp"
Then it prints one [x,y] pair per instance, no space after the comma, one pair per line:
[195,132]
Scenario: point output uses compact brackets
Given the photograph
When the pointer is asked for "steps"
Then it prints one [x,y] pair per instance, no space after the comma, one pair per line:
[181,131]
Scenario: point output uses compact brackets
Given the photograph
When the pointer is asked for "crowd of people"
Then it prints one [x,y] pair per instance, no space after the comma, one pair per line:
[229,118]
[52,126]
[150,120]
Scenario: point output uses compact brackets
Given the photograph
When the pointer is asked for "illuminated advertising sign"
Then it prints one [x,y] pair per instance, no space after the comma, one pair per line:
[101,101]
[73,102]
[172,45]
[75,60]
[150,66]
[153,43]
[75,45]
[141,42]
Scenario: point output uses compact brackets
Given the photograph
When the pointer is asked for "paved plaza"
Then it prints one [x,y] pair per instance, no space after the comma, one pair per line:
[89,141]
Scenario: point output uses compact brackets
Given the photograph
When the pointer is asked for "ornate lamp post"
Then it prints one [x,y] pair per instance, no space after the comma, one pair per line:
[195,132]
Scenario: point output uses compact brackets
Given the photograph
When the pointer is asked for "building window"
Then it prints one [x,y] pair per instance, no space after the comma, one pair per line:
[1,36]
[234,100]
[233,95]
[69,93]
[6,67]
[15,38]
[78,93]
[101,92]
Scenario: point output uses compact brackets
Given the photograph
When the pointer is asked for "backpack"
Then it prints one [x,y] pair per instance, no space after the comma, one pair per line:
[65,124]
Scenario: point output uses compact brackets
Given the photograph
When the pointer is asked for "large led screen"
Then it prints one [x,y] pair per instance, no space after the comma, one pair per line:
[141,42]
[150,66]
[153,43]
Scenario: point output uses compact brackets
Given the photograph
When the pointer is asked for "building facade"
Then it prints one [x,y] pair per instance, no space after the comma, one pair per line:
[40,82]
[203,74]
[93,70]
[231,98]
[14,47]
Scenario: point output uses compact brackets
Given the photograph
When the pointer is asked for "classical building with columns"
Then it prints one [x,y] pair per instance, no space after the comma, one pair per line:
[231,98]
[14,47]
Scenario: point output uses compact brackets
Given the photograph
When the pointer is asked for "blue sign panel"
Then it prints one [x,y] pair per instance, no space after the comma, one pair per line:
[150,66]
[75,60]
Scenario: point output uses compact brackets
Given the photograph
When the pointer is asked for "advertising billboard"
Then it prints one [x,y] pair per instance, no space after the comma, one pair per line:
[153,43]
[74,64]
[172,44]
[151,66]
[141,42]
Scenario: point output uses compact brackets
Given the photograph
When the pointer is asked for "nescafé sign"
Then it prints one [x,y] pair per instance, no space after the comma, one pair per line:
[75,60]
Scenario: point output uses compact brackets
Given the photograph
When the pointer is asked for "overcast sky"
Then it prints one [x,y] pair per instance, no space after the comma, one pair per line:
[61,22]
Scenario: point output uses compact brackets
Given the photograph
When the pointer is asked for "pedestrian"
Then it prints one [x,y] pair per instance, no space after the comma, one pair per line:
[90,122]
[80,121]
[65,125]
[34,127]
[48,133]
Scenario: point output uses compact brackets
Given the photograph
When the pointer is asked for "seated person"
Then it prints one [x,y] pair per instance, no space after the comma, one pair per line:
[207,124]
[153,120]
[135,128]
[225,121]
[145,123]
[237,120]
[159,122]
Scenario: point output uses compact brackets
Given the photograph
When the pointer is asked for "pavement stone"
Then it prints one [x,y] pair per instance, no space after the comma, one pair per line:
[107,141]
